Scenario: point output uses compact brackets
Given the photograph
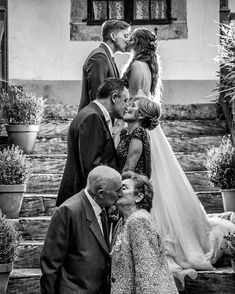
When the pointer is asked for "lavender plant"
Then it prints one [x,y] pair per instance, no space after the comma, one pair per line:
[226,60]
[230,246]
[220,164]
[9,241]
[20,107]
[14,166]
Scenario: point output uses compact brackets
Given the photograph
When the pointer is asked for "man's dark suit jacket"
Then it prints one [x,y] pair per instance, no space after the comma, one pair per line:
[98,66]
[75,258]
[89,144]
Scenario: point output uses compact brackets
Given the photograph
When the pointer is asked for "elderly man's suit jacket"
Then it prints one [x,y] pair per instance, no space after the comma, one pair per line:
[75,258]
[98,66]
[89,144]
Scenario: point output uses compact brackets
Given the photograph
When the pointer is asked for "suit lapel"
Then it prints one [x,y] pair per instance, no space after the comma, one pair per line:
[94,226]
[96,107]
[111,60]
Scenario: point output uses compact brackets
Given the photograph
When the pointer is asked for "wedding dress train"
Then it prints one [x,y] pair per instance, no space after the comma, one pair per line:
[193,239]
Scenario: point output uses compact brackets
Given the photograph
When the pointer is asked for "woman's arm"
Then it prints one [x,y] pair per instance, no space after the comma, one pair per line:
[134,153]
[147,256]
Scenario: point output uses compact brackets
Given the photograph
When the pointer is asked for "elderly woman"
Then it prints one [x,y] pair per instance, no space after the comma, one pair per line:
[138,258]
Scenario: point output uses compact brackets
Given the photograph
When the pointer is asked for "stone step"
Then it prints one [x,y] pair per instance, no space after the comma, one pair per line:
[191,128]
[34,227]
[50,183]
[56,128]
[29,255]
[169,111]
[38,205]
[220,281]
[55,163]
[44,204]
[24,281]
[179,144]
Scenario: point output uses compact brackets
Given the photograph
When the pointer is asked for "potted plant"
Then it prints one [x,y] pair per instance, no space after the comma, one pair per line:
[220,166]
[14,173]
[8,251]
[23,112]
[230,248]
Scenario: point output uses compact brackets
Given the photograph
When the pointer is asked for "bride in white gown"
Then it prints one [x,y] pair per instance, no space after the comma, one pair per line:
[193,240]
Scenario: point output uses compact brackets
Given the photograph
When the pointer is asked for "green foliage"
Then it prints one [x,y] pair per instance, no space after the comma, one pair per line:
[226,59]
[230,246]
[14,166]
[220,164]
[20,107]
[9,241]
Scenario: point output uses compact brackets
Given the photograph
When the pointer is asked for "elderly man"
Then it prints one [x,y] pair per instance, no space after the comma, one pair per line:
[75,256]
[90,141]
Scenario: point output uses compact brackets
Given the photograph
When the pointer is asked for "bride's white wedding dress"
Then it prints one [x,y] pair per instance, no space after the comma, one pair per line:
[193,239]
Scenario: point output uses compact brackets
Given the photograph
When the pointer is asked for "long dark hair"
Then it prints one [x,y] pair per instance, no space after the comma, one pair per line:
[146,50]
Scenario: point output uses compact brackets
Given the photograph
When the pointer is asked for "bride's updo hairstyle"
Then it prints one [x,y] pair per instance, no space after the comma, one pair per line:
[150,111]
[146,50]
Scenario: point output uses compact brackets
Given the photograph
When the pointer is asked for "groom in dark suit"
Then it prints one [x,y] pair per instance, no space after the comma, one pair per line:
[90,141]
[75,256]
[100,63]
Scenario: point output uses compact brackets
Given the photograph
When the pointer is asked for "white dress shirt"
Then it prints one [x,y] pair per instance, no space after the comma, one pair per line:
[97,209]
[106,115]
[110,50]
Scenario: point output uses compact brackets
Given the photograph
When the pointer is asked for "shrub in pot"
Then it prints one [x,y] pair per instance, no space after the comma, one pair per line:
[14,173]
[229,250]
[220,166]
[23,112]
[8,250]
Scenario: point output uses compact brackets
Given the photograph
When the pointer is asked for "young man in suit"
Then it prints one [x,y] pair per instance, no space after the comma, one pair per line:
[100,63]
[75,256]
[90,141]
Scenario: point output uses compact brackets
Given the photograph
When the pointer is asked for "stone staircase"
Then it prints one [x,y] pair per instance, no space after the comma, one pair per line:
[189,129]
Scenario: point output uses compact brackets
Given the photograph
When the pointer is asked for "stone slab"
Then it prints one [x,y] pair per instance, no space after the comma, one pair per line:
[44,204]
[192,128]
[211,201]
[190,111]
[24,281]
[62,112]
[55,163]
[32,228]
[28,255]
[50,183]
[37,205]
[220,281]
[179,144]
[50,146]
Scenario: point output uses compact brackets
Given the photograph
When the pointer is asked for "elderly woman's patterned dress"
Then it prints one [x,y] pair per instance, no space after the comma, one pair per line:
[139,265]
[144,163]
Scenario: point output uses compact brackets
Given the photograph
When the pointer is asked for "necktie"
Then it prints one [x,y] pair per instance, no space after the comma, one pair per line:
[116,68]
[105,226]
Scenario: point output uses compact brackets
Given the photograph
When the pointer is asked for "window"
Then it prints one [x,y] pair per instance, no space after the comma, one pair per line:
[132,11]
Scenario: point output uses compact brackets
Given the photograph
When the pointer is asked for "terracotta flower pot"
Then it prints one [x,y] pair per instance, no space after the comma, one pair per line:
[23,135]
[11,197]
[228,197]
[5,270]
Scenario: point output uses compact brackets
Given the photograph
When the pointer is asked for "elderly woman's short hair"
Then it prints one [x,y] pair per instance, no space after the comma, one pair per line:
[141,185]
